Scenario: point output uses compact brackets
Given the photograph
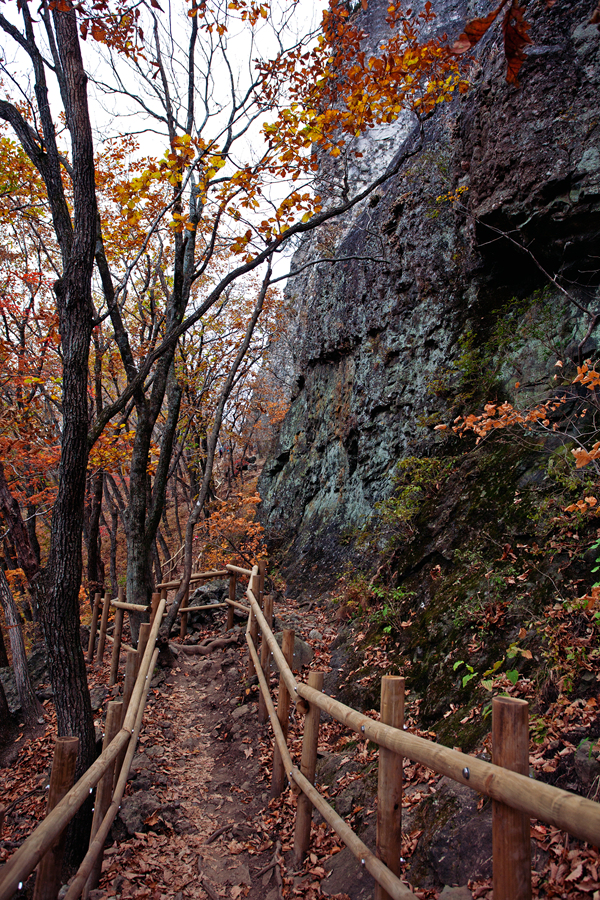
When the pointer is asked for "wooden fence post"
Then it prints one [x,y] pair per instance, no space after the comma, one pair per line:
[104,788]
[155,601]
[308,767]
[389,787]
[93,627]
[262,571]
[230,609]
[184,615]
[47,879]
[264,659]
[145,629]
[132,666]
[118,631]
[103,627]
[254,581]
[283,712]
[511,841]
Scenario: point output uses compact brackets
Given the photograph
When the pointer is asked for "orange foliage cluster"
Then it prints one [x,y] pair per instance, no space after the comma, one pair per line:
[505,415]
[231,527]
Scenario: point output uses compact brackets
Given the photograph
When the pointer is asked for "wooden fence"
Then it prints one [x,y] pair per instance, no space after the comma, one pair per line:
[515,796]
[109,773]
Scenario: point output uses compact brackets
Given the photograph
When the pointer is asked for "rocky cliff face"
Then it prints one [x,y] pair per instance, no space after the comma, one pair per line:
[449,310]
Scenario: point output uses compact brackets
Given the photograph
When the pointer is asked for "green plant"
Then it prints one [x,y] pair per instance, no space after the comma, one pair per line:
[414,481]
[388,614]
[471,673]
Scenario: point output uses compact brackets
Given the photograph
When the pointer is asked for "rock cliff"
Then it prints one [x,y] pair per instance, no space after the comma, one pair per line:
[450,310]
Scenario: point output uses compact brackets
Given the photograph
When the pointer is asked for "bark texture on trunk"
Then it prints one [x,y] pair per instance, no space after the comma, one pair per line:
[31,707]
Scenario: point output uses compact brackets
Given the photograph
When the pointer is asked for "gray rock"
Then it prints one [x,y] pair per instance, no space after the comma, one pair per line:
[98,697]
[374,343]
[135,810]
[456,893]
[456,843]
[155,751]
[315,635]
[303,652]
[346,875]
[587,764]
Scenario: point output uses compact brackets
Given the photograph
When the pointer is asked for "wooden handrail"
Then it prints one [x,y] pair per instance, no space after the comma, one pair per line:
[135,607]
[268,635]
[25,859]
[238,570]
[196,576]
[78,883]
[569,812]
[375,866]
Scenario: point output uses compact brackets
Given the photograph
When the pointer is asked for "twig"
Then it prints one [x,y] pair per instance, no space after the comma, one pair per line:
[218,833]
[206,885]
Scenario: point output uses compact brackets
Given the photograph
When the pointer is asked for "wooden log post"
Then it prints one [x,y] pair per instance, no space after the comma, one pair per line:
[145,629]
[132,667]
[253,625]
[265,656]
[283,712]
[230,608]
[48,877]
[389,786]
[104,789]
[103,627]
[511,841]
[184,615]
[117,634]
[156,598]
[93,627]
[262,571]
[308,767]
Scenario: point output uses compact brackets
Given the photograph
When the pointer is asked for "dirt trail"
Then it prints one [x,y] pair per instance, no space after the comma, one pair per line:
[197,772]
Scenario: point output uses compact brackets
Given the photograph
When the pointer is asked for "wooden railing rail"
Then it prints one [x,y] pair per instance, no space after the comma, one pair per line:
[375,866]
[509,789]
[25,859]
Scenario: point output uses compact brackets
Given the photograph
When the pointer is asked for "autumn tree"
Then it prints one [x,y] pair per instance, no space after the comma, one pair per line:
[235,184]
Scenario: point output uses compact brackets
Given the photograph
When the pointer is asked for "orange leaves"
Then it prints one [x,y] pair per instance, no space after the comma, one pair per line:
[515,30]
[337,92]
[584,457]
[587,376]
[583,506]
[475,30]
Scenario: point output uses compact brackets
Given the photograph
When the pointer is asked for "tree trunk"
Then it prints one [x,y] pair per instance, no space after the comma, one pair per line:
[31,707]
[3,654]
[94,549]
[6,719]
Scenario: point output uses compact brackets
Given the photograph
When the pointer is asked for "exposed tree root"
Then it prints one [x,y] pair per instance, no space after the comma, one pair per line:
[205,649]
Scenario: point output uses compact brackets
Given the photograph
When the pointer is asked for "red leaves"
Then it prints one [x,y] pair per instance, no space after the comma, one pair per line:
[475,30]
[516,38]
[515,30]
